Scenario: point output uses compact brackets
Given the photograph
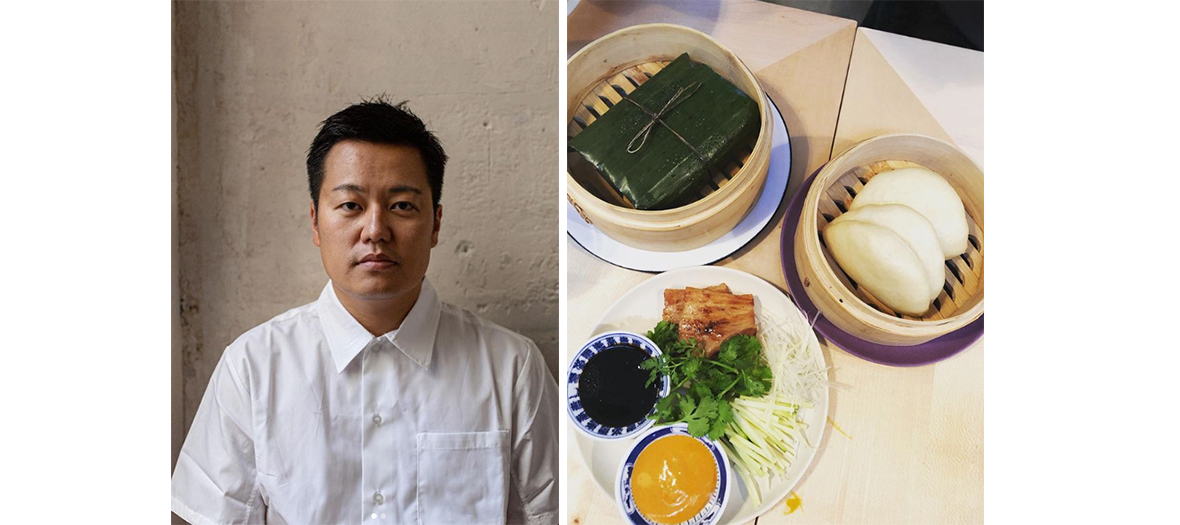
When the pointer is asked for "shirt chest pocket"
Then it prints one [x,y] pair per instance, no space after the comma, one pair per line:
[462,477]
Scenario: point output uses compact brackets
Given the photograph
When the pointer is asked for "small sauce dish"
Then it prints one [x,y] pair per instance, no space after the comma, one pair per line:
[606,392]
[672,478]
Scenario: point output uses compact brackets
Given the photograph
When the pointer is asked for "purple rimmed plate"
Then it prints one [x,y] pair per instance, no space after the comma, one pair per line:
[931,351]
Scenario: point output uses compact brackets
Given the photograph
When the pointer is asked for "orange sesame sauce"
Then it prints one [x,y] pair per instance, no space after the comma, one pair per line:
[673,479]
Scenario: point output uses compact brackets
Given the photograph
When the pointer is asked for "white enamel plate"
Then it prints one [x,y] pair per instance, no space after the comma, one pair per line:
[638,311]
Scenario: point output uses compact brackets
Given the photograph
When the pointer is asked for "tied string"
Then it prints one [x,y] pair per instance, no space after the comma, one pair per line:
[681,95]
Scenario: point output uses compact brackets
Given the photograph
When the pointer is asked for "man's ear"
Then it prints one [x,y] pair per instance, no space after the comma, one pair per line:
[437,224]
[315,227]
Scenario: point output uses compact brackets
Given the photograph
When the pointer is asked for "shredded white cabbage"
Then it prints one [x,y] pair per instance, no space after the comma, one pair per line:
[766,432]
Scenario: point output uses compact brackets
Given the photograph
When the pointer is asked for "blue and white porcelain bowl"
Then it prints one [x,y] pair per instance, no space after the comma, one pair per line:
[713,510]
[573,404]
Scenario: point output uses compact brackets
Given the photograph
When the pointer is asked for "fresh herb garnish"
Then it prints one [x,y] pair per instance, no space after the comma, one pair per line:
[701,387]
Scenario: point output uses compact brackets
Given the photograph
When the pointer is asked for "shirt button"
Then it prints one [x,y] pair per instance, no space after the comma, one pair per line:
[378,498]
[377,419]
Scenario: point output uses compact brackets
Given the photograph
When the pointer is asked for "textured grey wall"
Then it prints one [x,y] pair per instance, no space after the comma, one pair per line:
[252,80]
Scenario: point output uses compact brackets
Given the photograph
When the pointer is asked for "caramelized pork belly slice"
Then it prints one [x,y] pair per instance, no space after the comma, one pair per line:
[715,288]
[710,316]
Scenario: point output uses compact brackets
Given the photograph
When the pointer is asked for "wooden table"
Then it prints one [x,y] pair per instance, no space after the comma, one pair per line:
[911,445]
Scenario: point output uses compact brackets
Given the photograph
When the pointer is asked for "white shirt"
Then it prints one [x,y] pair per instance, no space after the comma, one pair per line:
[309,419]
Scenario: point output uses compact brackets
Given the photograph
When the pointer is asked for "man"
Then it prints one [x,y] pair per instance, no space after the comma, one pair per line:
[377,402]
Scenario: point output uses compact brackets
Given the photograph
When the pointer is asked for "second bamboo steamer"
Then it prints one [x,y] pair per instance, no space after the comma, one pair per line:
[852,308]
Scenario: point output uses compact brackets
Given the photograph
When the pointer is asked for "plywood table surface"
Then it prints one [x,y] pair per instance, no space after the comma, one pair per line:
[911,445]
[914,450]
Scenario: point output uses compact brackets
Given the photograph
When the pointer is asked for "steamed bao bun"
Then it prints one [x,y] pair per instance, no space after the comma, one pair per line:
[887,251]
[897,233]
[915,231]
[927,193]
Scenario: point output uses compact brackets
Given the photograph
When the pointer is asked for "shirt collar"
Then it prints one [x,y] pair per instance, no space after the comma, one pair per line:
[415,337]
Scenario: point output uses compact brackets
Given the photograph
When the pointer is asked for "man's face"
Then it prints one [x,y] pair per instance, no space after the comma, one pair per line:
[375,225]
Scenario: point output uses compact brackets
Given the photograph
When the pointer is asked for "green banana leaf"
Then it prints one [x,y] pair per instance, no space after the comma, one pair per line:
[660,171]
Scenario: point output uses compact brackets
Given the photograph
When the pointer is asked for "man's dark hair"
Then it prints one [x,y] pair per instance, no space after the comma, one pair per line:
[378,122]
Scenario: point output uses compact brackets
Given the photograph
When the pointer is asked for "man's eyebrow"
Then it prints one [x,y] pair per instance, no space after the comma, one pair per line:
[349,187]
[405,189]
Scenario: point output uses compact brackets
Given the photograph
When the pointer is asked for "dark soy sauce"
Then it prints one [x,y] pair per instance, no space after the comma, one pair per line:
[612,387]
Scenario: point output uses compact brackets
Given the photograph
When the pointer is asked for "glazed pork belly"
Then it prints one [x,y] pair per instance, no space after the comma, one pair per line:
[710,315]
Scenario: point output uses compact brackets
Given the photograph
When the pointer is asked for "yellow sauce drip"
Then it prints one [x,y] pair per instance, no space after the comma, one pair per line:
[673,479]
[794,503]
[838,429]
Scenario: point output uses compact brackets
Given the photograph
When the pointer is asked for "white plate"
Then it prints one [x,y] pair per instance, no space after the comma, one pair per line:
[619,254]
[638,311]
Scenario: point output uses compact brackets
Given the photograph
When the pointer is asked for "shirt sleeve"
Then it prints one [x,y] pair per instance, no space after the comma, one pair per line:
[215,480]
[533,500]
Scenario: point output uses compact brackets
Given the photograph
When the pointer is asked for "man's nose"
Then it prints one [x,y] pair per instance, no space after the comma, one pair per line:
[376,229]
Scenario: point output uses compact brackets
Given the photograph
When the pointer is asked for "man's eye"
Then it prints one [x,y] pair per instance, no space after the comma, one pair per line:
[351,206]
[403,206]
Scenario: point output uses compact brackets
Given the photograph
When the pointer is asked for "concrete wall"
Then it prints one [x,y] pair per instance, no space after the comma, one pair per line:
[178,419]
[252,80]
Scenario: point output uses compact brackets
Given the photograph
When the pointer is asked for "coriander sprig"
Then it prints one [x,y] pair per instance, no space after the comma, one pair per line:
[703,387]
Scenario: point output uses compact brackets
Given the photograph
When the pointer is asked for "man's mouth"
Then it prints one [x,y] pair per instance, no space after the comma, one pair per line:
[377,261]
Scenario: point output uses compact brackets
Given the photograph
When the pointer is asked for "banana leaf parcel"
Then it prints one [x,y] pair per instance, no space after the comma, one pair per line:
[662,144]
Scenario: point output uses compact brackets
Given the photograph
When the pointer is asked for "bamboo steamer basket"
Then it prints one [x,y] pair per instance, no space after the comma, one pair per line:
[853,309]
[620,62]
